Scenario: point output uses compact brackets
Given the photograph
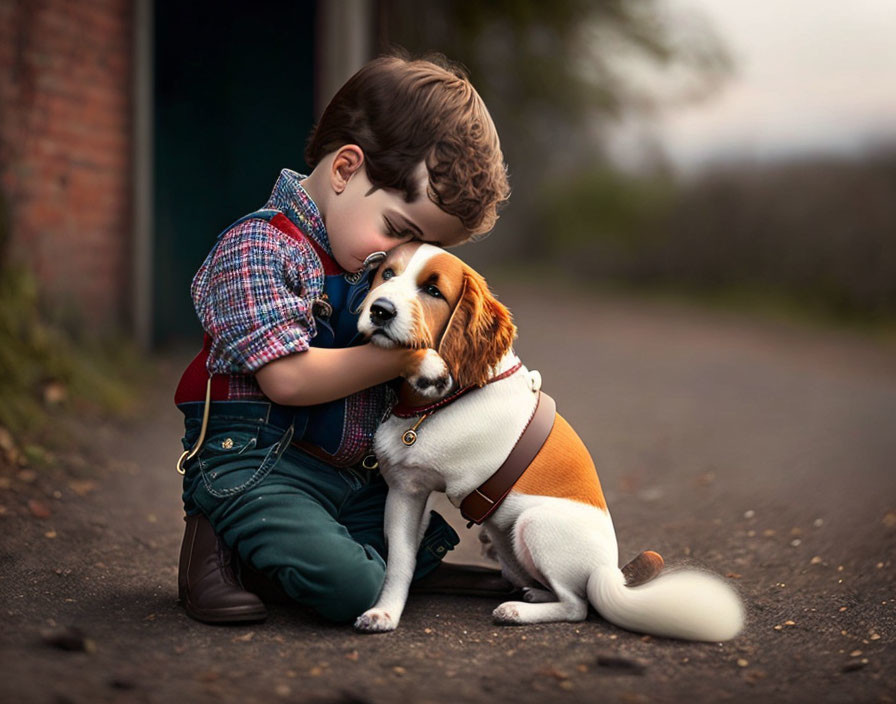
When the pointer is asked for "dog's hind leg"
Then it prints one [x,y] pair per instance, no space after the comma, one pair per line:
[511,568]
[559,548]
[569,607]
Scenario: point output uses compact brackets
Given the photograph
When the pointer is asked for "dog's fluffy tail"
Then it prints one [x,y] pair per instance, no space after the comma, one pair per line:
[687,604]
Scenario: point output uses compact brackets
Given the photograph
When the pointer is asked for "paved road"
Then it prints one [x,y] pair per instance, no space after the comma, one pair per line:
[759,451]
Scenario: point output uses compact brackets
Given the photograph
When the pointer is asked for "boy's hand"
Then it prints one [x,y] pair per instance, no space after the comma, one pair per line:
[428,374]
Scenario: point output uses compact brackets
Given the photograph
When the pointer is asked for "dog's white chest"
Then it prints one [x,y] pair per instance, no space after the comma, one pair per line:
[465,442]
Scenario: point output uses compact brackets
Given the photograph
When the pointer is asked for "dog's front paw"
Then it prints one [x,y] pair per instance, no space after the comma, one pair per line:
[375,621]
[430,377]
[507,613]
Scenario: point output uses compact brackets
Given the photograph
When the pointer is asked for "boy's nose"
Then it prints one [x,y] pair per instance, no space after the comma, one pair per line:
[381,311]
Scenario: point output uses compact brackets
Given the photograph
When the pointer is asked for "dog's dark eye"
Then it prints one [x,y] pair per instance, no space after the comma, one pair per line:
[388,274]
[431,290]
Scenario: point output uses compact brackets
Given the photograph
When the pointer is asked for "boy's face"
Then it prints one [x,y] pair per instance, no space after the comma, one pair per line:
[361,220]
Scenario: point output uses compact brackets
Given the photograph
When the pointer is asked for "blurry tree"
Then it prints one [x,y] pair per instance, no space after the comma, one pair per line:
[810,235]
[556,74]
[820,231]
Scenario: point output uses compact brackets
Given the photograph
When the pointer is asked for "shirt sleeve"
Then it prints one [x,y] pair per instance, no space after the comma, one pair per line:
[254,295]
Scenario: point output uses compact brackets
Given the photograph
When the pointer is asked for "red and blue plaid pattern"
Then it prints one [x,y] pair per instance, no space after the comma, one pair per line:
[254,295]
[254,292]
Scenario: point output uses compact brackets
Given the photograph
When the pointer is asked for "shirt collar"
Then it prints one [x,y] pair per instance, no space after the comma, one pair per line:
[294,202]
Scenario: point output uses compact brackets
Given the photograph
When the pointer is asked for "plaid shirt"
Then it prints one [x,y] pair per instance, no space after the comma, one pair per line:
[254,296]
[255,290]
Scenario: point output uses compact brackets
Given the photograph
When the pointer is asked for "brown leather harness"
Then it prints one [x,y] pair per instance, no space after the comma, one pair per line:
[485,499]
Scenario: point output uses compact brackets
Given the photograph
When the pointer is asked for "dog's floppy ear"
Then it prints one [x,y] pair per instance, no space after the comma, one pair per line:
[479,333]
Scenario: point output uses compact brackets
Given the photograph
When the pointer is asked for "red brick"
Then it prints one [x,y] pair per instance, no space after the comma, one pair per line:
[66,148]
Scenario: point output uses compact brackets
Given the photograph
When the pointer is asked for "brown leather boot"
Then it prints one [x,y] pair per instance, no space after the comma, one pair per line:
[206,584]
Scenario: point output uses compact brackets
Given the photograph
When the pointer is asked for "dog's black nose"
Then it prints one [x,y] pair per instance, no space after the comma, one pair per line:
[381,311]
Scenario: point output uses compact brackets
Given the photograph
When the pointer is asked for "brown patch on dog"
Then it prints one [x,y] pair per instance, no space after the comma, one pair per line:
[479,333]
[445,272]
[397,260]
[563,468]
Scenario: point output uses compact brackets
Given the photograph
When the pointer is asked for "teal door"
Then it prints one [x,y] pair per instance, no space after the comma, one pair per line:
[233,87]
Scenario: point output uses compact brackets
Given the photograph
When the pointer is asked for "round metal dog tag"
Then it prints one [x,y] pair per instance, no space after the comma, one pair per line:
[409,438]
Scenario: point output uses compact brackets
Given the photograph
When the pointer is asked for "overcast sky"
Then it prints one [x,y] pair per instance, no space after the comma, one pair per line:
[811,75]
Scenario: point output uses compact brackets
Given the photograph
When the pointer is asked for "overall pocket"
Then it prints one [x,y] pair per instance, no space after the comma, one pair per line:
[233,459]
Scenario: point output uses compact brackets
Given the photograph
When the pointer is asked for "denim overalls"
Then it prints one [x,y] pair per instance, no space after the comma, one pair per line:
[314,528]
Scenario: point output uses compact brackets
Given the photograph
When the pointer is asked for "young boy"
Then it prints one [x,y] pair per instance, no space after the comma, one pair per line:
[281,404]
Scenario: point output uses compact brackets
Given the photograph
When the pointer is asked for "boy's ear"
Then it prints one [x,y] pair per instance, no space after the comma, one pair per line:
[349,158]
[479,333]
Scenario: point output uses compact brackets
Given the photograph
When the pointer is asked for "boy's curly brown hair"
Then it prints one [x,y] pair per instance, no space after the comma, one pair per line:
[401,112]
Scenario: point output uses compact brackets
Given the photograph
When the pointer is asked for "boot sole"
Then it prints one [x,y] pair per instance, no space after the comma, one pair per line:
[235,614]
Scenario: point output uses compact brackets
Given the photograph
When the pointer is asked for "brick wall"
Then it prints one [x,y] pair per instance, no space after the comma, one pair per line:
[65,150]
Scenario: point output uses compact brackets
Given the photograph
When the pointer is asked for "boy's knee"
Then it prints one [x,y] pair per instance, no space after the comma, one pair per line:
[341,590]
[351,590]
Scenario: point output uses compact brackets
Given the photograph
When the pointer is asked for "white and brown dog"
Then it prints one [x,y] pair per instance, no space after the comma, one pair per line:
[552,533]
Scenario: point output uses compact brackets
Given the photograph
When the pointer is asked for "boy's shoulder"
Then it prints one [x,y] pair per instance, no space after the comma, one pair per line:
[256,231]
[268,246]
[272,225]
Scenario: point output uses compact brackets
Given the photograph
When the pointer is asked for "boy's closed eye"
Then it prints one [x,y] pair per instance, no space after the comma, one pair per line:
[406,234]
[393,231]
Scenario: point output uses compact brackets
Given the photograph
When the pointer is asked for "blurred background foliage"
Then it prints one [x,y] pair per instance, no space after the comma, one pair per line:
[817,235]
[817,232]
[54,368]
[51,365]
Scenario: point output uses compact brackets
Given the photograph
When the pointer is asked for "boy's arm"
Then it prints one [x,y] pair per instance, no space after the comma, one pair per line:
[319,374]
